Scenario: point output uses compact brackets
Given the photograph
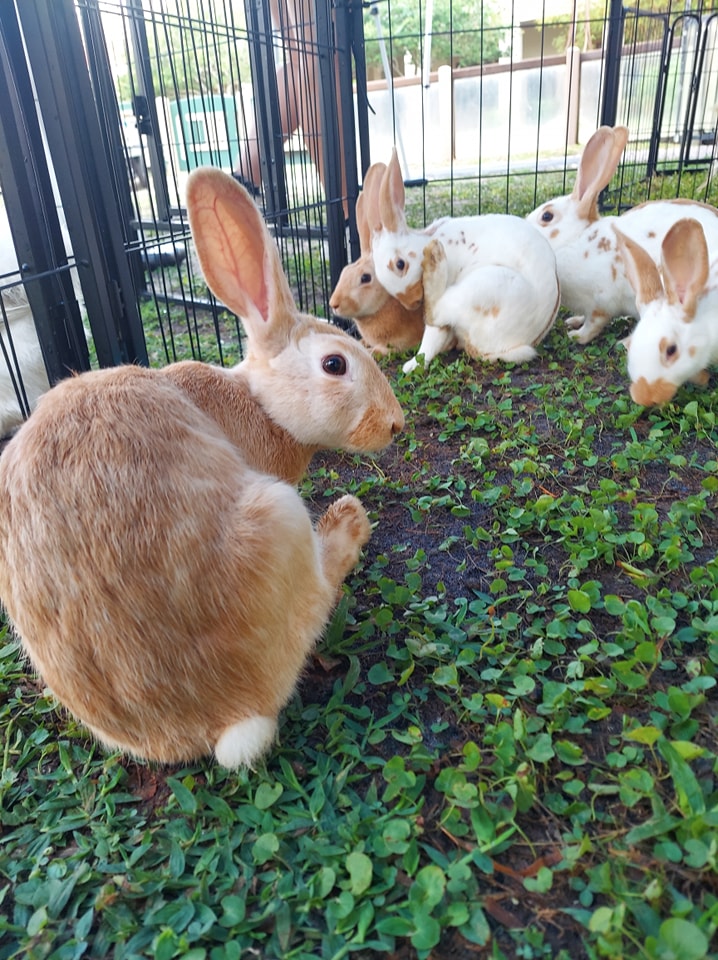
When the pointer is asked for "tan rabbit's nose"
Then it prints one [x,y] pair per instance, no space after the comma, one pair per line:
[398,425]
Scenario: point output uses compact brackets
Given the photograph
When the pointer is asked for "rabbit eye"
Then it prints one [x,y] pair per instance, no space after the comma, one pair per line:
[366,278]
[546,216]
[671,349]
[400,265]
[335,365]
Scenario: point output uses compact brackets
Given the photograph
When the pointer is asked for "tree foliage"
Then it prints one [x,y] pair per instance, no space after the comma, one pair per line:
[463,32]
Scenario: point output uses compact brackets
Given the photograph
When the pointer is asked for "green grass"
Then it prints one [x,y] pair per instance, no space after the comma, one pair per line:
[507,745]
[520,193]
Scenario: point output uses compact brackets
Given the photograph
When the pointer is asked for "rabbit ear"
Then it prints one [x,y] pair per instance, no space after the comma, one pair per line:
[597,165]
[392,197]
[238,257]
[366,205]
[641,271]
[372,188]
[684,257]
[372,185]
[363,228]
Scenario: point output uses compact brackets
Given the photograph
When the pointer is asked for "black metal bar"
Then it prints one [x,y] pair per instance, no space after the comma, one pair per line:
[345,54]
[114,143]
[32,212]
[331,142]
[148,123]
[659,102]
[696,76]
[612,74]
[356,13]
[57,59]
[266,109]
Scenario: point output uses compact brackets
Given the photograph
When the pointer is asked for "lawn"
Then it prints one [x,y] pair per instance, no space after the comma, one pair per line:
[505,747]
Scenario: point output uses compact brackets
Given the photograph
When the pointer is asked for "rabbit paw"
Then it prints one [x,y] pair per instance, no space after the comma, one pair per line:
[343,530]
[410,365]
[586,329]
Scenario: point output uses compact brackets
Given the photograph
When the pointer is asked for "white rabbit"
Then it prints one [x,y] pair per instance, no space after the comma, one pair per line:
[676,338]
[488,284]
[163,581]
[383,322]
[594,285]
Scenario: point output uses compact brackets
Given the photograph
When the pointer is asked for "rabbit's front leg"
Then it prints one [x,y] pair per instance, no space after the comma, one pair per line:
[342,530]
[586,329]
[436,340]
[435,275]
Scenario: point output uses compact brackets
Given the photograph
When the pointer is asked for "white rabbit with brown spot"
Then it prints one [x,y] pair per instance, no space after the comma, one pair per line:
[488,284]
[163,575]
[676,338]
[594,285]
[384,323]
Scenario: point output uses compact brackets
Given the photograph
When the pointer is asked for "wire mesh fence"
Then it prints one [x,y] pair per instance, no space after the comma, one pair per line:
[488,106]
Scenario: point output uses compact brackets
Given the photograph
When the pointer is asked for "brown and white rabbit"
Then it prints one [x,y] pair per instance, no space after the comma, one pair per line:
[384,323]
[676,338]
[164,582]
[594,285]
[487,283]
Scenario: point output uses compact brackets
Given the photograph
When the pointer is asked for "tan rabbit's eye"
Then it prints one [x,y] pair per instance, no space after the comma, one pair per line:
[546,216]
[335,365]
[366,278]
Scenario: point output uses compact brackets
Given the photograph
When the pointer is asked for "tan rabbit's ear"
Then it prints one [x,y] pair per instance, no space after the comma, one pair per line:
[684,257]
[370,204]
[641,271]
[363,228]
[599,161]
[391,197]
[238,257]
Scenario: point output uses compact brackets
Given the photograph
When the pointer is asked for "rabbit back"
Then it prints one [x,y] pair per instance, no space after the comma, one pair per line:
[500,290]
[165,591]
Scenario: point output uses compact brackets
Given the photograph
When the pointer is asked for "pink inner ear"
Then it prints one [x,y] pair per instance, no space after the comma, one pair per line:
[641,271]
[230,239]
[391,197]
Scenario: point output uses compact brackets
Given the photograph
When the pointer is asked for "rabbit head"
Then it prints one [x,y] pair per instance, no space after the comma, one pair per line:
[397,251]
[310,378]
[564,219]
[358,293]
[676,337]
[381,319]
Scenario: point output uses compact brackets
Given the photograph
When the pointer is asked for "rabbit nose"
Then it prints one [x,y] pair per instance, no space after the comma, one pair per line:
[398,425]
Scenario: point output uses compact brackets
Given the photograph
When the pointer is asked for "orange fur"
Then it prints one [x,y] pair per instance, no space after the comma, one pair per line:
[163,580]
[383,322]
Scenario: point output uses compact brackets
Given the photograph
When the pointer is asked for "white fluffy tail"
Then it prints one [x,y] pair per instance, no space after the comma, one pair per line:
[244,742]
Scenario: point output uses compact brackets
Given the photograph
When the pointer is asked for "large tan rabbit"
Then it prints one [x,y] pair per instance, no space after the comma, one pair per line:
[167,590]
[385,324]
